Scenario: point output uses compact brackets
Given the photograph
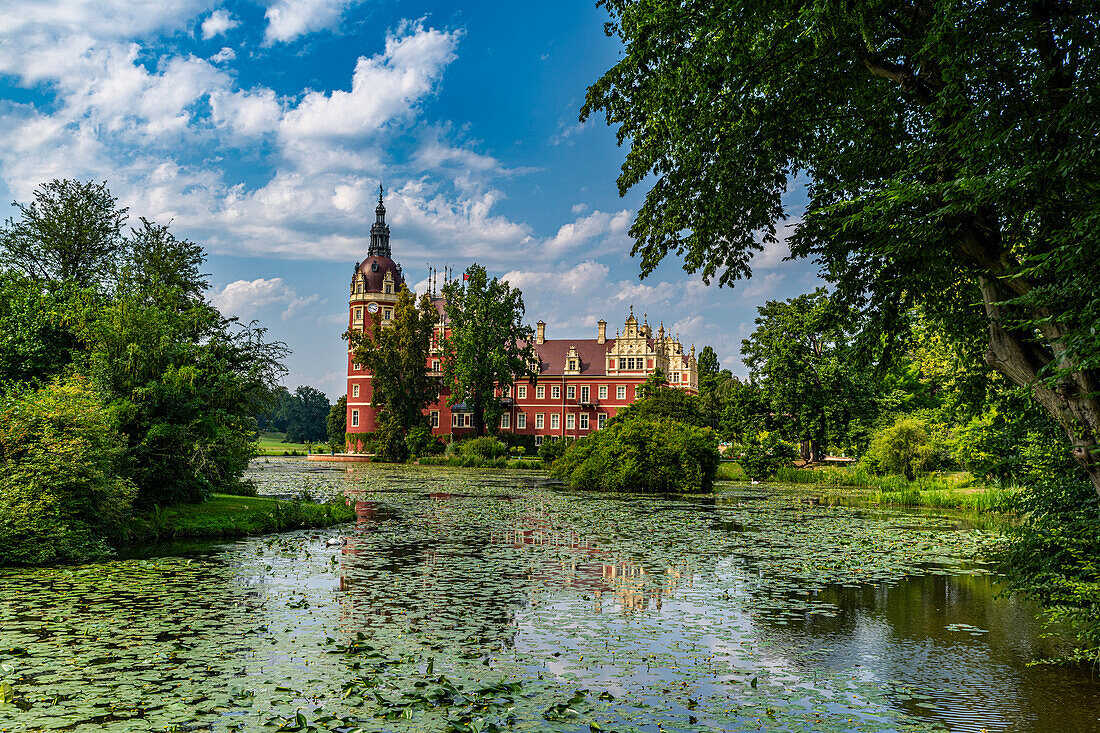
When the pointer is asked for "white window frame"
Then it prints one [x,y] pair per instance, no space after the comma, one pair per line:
[571,392]
[570,422]
[456,420]
[521,392]
[540,420]
[387,314]
[555,421]
[538,440]
[505,421]
[676,376]
[521,421]
[355,418]
[355,390]
[435,365]
[358,314]
[601,421]
[540,393]
[584,421]
[603,392]
[620,392]
[555,392]
[586,393]
[433,418]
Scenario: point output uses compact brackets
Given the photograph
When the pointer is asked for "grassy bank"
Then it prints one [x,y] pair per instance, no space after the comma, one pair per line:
[233,516]
[271,444]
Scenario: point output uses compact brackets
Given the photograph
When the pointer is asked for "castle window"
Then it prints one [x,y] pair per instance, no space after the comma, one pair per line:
[522,391]
[389,289]
[540,393]
[538,440]
[540,421]
[603,391]
[571,392]
[355,390]
[456,420]
[620,392]
[435,418]
[554,421]
[555,393]
[387,314]
[356,366]
[572,365]
[435,365]
[601,420]
[676,376]
[570,421]
[521,421]
[584,393]
[355,418]
[358,314]
[584,421]
[506,421]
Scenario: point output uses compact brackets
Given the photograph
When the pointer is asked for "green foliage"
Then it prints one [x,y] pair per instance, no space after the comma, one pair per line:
[765,454]
[662,456]
[307,413]
[420,442]
[904,447]
[1012,441]
[552,450]
[396,355]
[61,494]
[483,447]
[36,345]
[658,400]
[961,171]
[488,347]
[233,515]
[389,440]
[336,424]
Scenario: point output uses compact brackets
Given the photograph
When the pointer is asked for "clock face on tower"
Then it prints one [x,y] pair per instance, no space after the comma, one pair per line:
[373,307]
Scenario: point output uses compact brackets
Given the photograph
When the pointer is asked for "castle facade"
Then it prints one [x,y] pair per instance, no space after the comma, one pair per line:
[582,382]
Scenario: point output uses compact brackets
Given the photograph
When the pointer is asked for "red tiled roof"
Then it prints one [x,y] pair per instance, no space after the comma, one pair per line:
[552,353]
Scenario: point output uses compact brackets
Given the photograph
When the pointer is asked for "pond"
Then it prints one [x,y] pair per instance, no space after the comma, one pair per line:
[479,601]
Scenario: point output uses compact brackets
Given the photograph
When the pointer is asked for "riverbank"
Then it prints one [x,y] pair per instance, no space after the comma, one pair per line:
[225,516]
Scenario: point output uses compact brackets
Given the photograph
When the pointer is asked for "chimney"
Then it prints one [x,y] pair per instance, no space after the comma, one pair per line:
[602,338]
[540,332]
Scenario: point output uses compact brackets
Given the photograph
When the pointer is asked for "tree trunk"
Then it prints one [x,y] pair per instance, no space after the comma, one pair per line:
[1073,399]
[479,420]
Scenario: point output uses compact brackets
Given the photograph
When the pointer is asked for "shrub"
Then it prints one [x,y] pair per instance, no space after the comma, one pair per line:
[765,454]
[391,442]
[904,447]
[420,442]
[519,440]
[61,493]
[485,447]
[642,455]
[551,450]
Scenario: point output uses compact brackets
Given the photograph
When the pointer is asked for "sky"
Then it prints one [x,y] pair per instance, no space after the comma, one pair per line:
[262,130]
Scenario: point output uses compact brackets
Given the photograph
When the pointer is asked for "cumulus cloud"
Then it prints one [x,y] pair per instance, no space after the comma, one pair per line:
[246,299]
[218,23]
[289,19]
[226,54]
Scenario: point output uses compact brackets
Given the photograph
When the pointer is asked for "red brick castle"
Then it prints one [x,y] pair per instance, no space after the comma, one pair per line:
[581,382]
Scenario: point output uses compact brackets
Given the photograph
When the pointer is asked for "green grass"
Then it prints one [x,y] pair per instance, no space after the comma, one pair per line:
[730,471]
[233,516]
[271,444]
[476,462]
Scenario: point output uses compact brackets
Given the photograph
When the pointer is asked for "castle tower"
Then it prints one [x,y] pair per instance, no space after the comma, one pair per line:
[374,285]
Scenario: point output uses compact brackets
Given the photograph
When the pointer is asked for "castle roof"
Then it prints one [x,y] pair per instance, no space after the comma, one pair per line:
[553,352]
[374,271]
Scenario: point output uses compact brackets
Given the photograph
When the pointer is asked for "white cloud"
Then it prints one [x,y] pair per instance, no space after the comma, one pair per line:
[289,19]
[246,299]
[218,23]
[597,233]
[226,54]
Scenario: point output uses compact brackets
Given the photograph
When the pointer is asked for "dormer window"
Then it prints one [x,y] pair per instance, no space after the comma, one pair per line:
[389,288]
[572,365]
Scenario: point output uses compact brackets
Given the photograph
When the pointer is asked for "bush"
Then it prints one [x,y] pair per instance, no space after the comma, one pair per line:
[391,442]
[485,447]
[904,447]
[663,456]
[765,454]
[551,450]
[420,442]
[519,440]
[61,493]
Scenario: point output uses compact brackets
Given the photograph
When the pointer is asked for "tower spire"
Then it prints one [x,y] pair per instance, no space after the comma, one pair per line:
[380,231]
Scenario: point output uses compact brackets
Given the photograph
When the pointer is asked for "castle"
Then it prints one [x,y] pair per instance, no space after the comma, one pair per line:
[581,382]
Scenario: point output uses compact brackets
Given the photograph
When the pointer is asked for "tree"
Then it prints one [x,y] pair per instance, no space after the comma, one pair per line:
[337,424]
[658,400]
[307,416]
[396,354]
[903,447]
[71,233]
[36,345]
[488,347]
[709,370]
[799,356]
[950,152]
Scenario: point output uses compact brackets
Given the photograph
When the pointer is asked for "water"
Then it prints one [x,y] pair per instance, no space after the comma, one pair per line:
[474,601]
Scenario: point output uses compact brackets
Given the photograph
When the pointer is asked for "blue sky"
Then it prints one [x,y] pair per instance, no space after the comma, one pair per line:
[262,129]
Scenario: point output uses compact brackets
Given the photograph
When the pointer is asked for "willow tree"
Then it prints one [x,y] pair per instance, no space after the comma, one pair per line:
[950,151]
[487,345]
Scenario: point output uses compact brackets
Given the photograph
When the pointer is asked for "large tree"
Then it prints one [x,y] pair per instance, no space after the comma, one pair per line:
[950,153]
[488,347]
[396,355]
[807,372]
[307,416]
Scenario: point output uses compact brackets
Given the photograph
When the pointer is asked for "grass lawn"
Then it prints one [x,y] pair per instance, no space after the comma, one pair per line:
[234,516]
[271,444]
